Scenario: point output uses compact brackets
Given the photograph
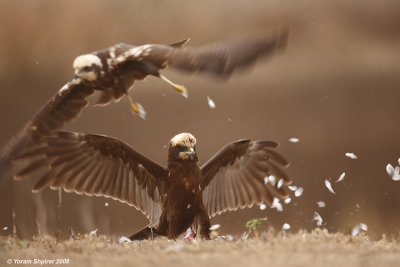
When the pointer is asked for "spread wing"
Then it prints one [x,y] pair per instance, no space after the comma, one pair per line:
[61,108]
[234,177]
[219,59]
[98,165]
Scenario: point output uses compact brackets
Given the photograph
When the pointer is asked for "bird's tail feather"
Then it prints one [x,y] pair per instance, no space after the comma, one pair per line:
[145,233]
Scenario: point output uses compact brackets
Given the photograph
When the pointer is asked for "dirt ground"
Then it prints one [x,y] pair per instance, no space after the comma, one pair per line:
[282,249]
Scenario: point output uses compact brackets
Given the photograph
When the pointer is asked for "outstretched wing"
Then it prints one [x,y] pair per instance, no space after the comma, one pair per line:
[219,59]
[61,108]
[98,165]
[234,177]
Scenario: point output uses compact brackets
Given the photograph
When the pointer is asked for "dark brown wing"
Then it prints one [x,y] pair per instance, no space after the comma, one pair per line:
[64,106]
[219,59]
[234,177]
[98,165]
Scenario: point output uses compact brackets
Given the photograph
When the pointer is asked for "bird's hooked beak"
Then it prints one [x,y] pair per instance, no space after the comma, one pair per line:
[76,73]
[191,152]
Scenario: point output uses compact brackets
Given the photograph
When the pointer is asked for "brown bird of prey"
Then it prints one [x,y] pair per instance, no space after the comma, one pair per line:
[114,70]
[172,198]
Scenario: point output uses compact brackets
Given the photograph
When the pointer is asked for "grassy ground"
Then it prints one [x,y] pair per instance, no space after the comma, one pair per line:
[318,248]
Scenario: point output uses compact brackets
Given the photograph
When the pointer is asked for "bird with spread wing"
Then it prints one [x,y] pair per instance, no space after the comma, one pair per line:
[114,70]
[173,198]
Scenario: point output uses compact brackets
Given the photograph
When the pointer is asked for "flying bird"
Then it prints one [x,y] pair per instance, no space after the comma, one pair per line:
[114,70]
[173,198]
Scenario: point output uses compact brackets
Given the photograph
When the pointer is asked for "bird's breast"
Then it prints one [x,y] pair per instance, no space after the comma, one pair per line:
[184,187]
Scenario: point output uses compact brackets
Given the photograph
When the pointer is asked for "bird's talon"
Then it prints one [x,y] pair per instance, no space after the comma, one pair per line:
[137,108]
[180,88]
[185,94]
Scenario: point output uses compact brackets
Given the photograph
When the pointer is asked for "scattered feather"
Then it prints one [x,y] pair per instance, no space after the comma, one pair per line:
[270,179]
[396,176]
[230,237]
[188,206]
[321,204]
[357,228]
[124,240]
[394,172]
[276,204]
[5,228]
[292,187]
[185,94]
[329,186]
[363,226]
[280,183]
[106,204]
[294,140]
[287,200]
[317,218]
[351,155]
[390,169]
[93,233]
[286,226]
[215,227]
[341,177]
[298,192]
[141,112]
[263,206]
[211,103]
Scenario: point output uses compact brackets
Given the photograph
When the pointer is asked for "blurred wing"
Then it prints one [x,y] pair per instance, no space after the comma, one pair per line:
[234,177]
[219,59]
[99,166]
[61,108]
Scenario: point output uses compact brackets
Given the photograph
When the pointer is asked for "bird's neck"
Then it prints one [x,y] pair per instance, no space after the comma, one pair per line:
[187,172]
[182,166]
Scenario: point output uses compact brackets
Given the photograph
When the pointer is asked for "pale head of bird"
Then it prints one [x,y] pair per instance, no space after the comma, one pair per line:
[182,147]
[87,67]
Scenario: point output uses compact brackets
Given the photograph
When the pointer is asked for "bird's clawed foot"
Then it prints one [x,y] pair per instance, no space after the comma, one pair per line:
[136,107]
[180,88]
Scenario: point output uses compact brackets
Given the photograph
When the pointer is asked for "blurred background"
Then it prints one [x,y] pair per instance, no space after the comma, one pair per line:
[335,88]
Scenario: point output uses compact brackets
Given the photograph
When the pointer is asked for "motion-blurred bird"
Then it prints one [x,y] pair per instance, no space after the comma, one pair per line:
[113,71]
[172,198]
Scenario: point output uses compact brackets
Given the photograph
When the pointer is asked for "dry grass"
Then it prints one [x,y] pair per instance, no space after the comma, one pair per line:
[318,248]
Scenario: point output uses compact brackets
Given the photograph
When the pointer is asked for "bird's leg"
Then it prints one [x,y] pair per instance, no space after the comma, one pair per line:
[180,88]
[136,107]
[204,224]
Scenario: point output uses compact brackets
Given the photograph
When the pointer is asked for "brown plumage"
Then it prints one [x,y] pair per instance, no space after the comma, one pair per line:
[113,71]
[172,198]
